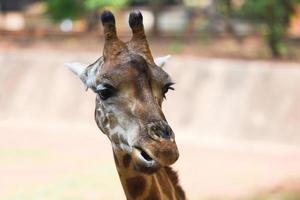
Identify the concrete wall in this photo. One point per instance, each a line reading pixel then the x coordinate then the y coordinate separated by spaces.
pixel 214 98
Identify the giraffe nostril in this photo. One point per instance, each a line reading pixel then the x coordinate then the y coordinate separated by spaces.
pixel 160 131
pixel 166 134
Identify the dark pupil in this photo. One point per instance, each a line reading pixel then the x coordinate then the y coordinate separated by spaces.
pixel 105 94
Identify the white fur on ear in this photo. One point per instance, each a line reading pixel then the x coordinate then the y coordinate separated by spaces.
pixel 87 73
pixel 161 61
pixel 79 70
pixel 76 68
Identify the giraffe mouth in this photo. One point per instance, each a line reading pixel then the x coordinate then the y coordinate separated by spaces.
pixel 144 155
pixel 144 162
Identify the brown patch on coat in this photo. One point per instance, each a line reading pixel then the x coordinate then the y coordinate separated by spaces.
pixel 115 139
pixel 136 186
pixel 126 160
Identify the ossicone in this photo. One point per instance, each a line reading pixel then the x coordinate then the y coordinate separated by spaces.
pixel 109 26
pixel 136 19
pixel 107 17
pixel 138 43
pixel 112 45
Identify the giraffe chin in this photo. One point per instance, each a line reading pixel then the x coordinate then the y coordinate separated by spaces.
pixel 143 162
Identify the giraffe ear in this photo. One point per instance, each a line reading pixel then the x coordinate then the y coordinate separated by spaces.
pixel 161 61
pixel 87 73
pixel 77 68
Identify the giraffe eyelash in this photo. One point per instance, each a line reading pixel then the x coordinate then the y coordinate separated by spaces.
pixel 166 88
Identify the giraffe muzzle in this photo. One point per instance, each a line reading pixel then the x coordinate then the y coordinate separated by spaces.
pixel 157 148
pixel 143 162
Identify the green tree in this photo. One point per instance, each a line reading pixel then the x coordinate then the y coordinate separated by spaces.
pixel 93 6
pixel 73 9
pixel 96 4
pixel 275 15
pixel 63 9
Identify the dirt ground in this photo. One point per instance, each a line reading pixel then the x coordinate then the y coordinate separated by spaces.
pixel 50 147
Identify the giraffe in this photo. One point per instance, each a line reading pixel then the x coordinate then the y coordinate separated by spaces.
pixel 130 87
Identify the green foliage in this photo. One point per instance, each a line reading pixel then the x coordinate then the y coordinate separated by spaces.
pixel 95 4
pixel 270 11
pixel 275 15
pixel 62 9
pixel 72 9
pixel 225 7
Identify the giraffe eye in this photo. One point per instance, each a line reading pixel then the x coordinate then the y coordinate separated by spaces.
pixel 105 93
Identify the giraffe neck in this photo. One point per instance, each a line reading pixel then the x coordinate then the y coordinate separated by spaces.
pixel 162 184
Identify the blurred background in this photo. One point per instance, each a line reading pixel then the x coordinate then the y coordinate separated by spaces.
pixel 235 111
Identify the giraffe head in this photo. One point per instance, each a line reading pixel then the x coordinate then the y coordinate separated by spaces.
pixel 130 87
